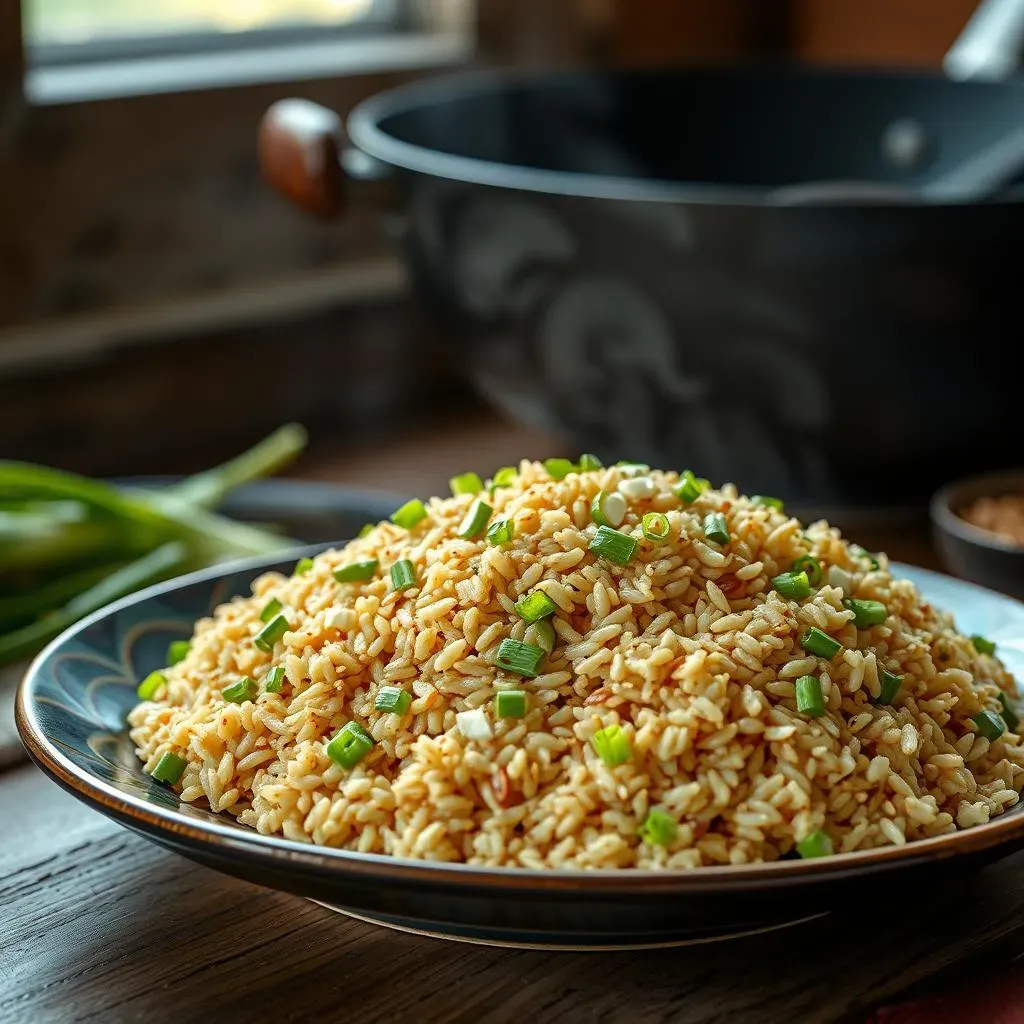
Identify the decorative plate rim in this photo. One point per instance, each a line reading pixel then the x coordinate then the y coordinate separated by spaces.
pixel 249 845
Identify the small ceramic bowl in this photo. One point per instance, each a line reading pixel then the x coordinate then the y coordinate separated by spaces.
pixel 969 551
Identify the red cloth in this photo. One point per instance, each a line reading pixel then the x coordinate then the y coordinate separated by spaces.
pixel 988 1000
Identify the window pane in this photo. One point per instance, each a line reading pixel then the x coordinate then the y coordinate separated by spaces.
pixel 83 21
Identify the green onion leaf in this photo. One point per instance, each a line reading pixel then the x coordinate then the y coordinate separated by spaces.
pixel 1010 716
pixel 466 483
pixel 411 513
pixel 819 643
pixel 177 651
pixel 271 633
pixel 888 686
pixel 270 609
pixel 522 659
pixel 510 704
pixel 559 469
pixel 500 532
pixel 476 519
pixel 349 745
pixel 302 566
pixel 792 585
pixel 589 462
pixel 809 698
pixel 403 575
pixel 150 686
pixel 356 572
pixel 866 613
pixel 859 552
pixel 237 693
pixel 983 646
pixel 989 724
pixel 659 829
pixel 767 501
pixel 655 527
pixel 690 487
pixel 613 546
pixel 817 844
pixel 536 605
pixel 393 699
pixel 275 679
pixel 169 768
pixel 504 477
pixel 715 528
pixel 811 566
pixel 543 633
pixel 365 531
pixel 611 745
pixel 608 509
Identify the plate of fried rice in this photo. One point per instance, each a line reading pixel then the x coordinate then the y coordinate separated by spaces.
pixel 566 705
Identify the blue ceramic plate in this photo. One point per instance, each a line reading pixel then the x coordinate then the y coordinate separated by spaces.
pixel 71 712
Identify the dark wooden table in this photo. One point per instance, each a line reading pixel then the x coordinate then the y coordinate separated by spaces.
pixel 97 924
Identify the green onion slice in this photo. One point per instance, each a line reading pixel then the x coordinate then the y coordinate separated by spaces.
pixel 983 646
pixel 271 633
pixel 501 532
pixel 767 501
pixel 275 679
pixel 888 686
pixel 411 513
pixel 522 659
pixel 659 829
pixel 613 546
pixel 715 528
pixel 476 519
pixel 302 566
pixel 510 704
pixel 544 633
pixel 989 724
pixel 866 613
pixel 691 487
pixel 792 585
pixel 169 768
pixel 393 699
pixel 819 643
pixel 1010 716
pixel 536 605
pixel 655 527
pixel 811 566
pixel 237 693
pixel 817 844
pixel 349 745
pixel 356 572
pixel 270 609
pixel 809 698
pixel 611 745
pixel 466 483
pixel 365 531
pixel 559 469
pixel 589 462
pixel 608 509
pixel 150 686
pixel 177 651
pixel 403 575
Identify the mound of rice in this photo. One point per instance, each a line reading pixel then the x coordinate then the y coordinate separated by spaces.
pixel 687 648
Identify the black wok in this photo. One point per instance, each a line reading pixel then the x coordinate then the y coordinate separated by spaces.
pixel 754 272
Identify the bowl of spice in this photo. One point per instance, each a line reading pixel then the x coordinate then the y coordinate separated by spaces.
pixel 978 525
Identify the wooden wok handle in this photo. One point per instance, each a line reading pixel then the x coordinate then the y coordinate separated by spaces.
pixel 299 147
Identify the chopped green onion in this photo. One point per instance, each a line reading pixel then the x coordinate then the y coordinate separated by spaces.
pixel 767 501
pixel 356 572
pixel 403 575
pixel 504 477
pixel 809 698
pixel 302 566
pixel 659 829
pixel 1010 716
pixel 989 724
pixel 888 686
pixel 510 704
pixel 866 613
pixel 169 768
pixel 559 469
pixel 411 513
pixel 792 585
pixel 817 844
pixel 237 693
pixel 819 643
pixel 860 552
pixel 608 509
pixel 655 527
pixel 349 745
pixel 543 633
pixel 613 546
pixel 983 646
pixel 149 686
pixel 271 633
pixel 536 605
pixel 715 528
pixel 466 483
pixel 500 532
pixel 690 487
pixel 476 519
pixel 365 531
pixel 270 609
pixel 177 650
pixel 611 745
pixel 393 699
pixel 522 659
pixel 811 566
pixel 590 462
pixel 275 679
